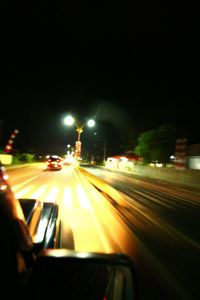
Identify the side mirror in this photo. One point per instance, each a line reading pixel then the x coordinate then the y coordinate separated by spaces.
pixel 65 274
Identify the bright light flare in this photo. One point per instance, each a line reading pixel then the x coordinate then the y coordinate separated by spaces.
pixel 5 177
pixel 91 123
pixel 69 120
pixel 3 187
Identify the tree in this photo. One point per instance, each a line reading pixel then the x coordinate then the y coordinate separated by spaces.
pixel 158 144
pixel 23 158
pixel 144 146
pixel 27 157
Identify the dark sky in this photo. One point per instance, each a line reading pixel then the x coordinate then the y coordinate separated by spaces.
pixel 132 66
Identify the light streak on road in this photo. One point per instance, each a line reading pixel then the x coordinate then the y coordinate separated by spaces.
pixel 148 221
pixel 21 193
pixel 52 195
pixel 83 199
pixel 67 198
pixel 38 193
pixel 19 186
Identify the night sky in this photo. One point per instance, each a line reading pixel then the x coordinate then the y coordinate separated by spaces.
pixel 131 66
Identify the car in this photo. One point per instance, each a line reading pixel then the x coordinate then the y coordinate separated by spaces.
pixel 32 267
pixel 54 162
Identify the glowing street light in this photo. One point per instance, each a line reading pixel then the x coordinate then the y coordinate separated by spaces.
pixel 91 123
pixel 69 120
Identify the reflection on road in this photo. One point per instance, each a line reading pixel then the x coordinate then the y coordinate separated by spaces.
pixel 156 224
pixel 165 222
pixel 85 213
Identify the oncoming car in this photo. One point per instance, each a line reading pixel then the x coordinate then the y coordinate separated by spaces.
pixel 54 162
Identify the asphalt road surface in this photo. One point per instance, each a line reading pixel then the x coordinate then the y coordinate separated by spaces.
pixel 155 223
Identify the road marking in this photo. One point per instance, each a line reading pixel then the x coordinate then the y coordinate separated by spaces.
pixel 84 201
pixel 23 192
pixel 39 192
pixel 52 195
pixel 67 198
pixel 82 197
pixel 18 186
pixel 162 225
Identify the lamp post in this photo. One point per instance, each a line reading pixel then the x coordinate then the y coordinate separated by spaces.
pixel 69 120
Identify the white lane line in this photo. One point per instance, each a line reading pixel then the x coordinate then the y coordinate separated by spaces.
pixel 85 203
pixel 18 186
pixel 83 199
pixel 39 192
pixel 23 192
pixel 67 198
pixel 52 195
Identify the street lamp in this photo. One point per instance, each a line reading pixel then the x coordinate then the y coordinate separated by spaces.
pixel 69 121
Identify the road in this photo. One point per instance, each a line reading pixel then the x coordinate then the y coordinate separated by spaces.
pixel 156 224
pixel 164 220
pixel 85 213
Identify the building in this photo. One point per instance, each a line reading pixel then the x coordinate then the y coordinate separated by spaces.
pixel 122 162
pixel 193 157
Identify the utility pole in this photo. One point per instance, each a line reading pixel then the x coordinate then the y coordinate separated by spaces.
pixel 104 152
